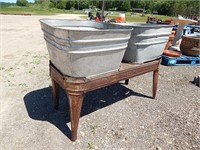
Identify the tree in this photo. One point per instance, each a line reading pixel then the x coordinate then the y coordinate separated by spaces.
pixel 44 4
pixel 125 6
pixel 82 4
pixel 22 2
pixel 38 1
pixel 164 8
pixel 70 4
pixel 61 4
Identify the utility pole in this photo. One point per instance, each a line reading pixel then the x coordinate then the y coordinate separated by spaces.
pixel 78 4
pixel 103 7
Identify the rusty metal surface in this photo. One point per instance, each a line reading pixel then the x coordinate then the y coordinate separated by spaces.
pixel 126 71
pixel 190 45
pixel 76 88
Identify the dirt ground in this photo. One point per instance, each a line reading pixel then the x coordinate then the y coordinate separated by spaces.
pixel 117 117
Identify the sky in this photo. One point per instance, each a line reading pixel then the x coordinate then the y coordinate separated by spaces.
pixel 14 1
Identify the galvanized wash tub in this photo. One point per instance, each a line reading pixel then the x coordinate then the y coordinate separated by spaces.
pixel 85 48
pixel 147 42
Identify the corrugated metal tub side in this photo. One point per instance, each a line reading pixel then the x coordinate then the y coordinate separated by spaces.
pixel 147 42
pixel 85 48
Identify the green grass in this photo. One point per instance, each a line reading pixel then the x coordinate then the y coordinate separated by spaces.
pixel 131 18
pixel 33 10
pixel 138 17
pixel 39 10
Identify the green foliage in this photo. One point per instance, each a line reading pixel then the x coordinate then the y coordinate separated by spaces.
pixel 22 2
pixel 125 6
pixel 164 8
pixel 61 4
pixel 44 4
pixel 51 5
pixel 90 146
pixel 70 4
pixel 4 4
pixel 39 1
pixel 186 8
pixel 82 4
pixel 172 8
pixel 33 9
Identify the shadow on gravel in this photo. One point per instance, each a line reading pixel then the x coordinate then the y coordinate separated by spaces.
pixel 39 104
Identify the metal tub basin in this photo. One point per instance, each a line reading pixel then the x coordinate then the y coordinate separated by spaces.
pixel 85 48
pixel 147 42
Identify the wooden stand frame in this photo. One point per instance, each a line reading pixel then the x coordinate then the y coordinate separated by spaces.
pixel 77 87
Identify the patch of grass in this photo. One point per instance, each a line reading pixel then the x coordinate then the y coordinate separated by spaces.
pixel 90 146
pixel 31 70
pixel 132 18
pixel 36 59
pixel 138 17
pixel 93 128
pixel 39 10
pixel 2 68
pixel 9 69
pixel 10 83
pixel 25 11
pixel 15 10
pixel 35 10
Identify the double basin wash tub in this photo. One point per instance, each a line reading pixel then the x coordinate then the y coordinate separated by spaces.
pixel 147 42
pixel 85 48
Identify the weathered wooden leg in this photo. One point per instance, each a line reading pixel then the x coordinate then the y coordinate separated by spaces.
pixel 55 90
pixel 127 81
pixel 75 101
pixel 155 82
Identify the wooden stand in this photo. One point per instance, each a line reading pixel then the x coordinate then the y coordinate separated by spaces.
pixel 77 87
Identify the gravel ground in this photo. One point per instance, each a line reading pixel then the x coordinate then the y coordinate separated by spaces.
pixel 117 117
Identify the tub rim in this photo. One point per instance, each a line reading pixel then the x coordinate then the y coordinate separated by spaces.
pixel 143 25
pixel 127 28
